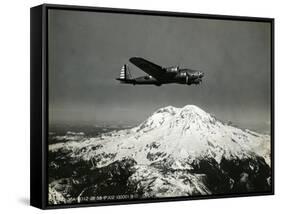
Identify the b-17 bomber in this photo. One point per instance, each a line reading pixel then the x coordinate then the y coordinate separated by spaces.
pixel 157 75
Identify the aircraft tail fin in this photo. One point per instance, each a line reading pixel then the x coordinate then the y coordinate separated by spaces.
pixel 125 73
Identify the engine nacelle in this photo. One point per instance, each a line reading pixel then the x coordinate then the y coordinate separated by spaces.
pixel 197 80
pixel 187 80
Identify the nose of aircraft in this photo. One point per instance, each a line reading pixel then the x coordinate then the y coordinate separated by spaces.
pixel 201 74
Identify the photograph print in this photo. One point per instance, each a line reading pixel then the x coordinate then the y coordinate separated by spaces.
pixel 145 107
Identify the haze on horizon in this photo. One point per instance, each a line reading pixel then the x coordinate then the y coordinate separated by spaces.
pixel 87 50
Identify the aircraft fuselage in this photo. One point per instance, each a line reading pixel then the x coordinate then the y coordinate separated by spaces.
pixel 184 76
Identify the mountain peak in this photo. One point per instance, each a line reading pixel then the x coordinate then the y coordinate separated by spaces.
pixel 194 112
pixel 173 110
pixel 191 108
pixel 177 117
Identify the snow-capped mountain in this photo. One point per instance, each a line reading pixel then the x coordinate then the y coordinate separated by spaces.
pixel 175 152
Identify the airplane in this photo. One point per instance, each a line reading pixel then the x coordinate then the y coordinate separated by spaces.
pixel 158 75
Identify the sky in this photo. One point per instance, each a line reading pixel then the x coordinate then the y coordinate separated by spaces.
pixel 88 49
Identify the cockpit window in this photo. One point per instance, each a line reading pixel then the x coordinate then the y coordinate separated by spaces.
pixel 146 78
pixel 175 69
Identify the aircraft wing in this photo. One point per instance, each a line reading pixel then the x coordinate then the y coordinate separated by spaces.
pixel 150 68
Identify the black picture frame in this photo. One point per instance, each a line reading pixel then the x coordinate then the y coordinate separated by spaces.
pixel 39 102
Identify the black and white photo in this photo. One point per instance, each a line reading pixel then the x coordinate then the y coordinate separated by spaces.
pixel 156 106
